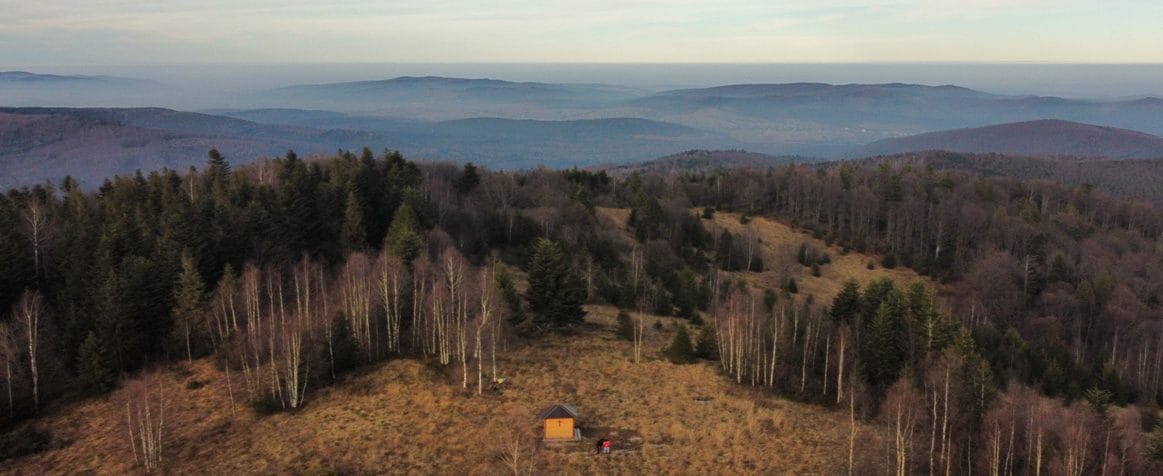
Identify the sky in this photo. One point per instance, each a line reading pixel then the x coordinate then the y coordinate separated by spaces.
pixel 103 32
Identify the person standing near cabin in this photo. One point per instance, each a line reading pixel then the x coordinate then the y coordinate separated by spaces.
pixel 598 446
pixel 606 446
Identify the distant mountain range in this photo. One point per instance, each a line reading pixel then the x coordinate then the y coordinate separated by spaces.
pixel 21 88
pixel 810 119
pixel 504 124
pixel 1040 138
pixel 92 144
pixel 39 144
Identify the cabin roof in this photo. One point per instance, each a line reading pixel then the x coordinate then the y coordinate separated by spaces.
pixel 559 410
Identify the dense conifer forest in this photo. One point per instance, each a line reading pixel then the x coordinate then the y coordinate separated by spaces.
pixel 292 272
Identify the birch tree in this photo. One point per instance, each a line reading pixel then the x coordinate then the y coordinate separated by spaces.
pixel 29 312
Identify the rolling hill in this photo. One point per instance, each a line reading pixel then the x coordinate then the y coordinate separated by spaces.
pixel 21 88
pixel 812 119
pixel 441 98
pixel 700 160
pixel 1039 138
pixel 39 144
pixel 409 416
pixel 1137 179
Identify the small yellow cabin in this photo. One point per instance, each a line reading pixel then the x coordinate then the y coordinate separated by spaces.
pixel 558 421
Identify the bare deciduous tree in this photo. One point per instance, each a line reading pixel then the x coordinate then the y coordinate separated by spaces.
pixel 29 314
pixel 145 418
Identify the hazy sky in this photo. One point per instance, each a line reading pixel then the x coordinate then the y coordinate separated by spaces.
pixel 64 32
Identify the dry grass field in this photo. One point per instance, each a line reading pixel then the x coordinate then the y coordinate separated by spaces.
pixel 405 417
pixel 780 243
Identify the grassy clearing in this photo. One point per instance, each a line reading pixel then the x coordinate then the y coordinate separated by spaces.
pixel 780 243
pixel 406 417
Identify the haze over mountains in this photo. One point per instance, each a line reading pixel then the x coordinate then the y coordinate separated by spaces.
pixel 506 124
pixel 1041 137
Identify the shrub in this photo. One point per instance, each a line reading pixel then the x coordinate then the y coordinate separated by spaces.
pixel 24 442
pixel 680 350
pixel 625 329
pixel 708 345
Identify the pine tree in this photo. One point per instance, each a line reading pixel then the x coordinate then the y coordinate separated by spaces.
pixel 680 350
pixel 556 293
pixel 353 235
pixel 94 366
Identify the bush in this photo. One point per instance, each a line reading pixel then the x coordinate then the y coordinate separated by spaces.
pixel 266 404
pixel 889 261
pixel 708 346
pixel 708 213
pixel 816 269
pixel 24 442
pixel 680 350
pixel 625 329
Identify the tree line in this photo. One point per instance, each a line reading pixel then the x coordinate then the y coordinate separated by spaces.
pixel 290 272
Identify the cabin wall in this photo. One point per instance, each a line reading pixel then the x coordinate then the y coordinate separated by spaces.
pixel 559 428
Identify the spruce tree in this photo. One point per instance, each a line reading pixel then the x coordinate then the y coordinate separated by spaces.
pixel 680 350
pixel 846 307
pixel 556 293
pixel 94 366
pixel 404 236
pixel 353 235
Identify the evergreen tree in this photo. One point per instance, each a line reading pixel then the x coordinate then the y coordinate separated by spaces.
pixel 555 292
pixel 353 235
pixel 94 366
pixel 468 180
pixel 511 296
pixel 846 307
pixel 218 170
pixel 404 236
pixel 884 355
pixel 188 293
pixel 680 350
pixel 344 351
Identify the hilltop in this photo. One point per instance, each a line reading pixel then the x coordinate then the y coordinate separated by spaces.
pixel 1037 138
pixel 412 416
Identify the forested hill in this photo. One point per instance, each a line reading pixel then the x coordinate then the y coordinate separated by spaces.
pixel 1031 138
pixel 1134 179
pixel 290 272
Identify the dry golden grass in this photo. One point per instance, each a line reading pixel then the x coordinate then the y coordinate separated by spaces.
pixel 780 245
pixel 405 417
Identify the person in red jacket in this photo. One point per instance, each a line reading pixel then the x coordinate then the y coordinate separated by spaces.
pixel 606 446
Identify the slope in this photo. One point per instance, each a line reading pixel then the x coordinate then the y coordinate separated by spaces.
pixel 1040 138
pixel 38 144
pixel 406 417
